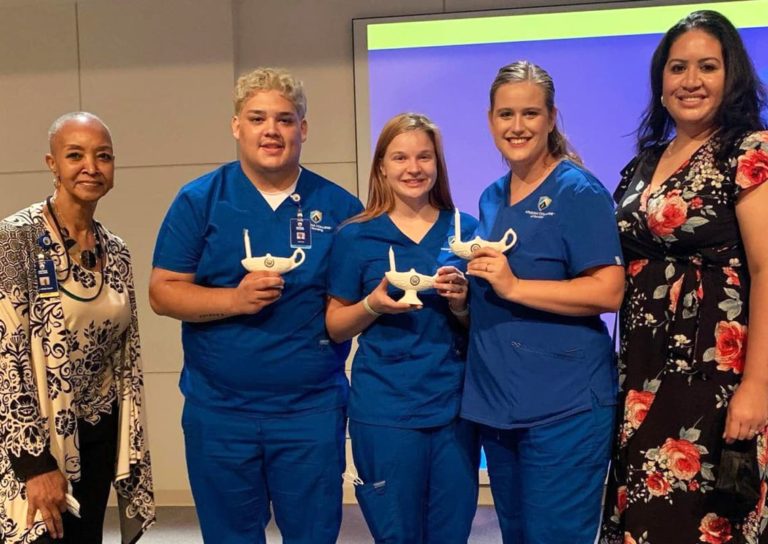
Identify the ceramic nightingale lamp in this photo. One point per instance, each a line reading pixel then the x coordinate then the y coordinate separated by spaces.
pixel 411 282
pixel 268 262
pixel 466 250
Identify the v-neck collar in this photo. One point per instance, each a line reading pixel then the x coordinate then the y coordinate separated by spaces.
pixel 303 189
pixel 545 182
pixel 443 216
pixel 650 168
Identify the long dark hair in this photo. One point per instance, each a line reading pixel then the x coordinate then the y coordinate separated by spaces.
pixel 743 96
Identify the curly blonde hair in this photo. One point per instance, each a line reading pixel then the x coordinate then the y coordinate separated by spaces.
pixel 270 79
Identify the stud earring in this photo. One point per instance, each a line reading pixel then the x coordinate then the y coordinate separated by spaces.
pixel 663 105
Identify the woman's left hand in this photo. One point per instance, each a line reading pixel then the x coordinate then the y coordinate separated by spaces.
pixel 451 284
pixel 492 266
pixel 747 412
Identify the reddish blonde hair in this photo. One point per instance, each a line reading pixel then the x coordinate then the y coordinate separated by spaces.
pixel 381 199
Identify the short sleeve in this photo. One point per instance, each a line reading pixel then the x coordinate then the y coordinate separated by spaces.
pixel 180 241
pixel 354 206
pixel 590 233
pixel 344 268
pixel 627 174
pixel 751 162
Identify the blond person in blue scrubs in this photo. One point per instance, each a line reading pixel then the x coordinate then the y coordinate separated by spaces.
pixel 541 379
pixel 264 388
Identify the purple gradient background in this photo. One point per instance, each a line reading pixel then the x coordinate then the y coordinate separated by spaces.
pixel 601 86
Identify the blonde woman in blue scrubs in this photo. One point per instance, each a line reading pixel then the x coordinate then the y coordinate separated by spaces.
pixel 541 380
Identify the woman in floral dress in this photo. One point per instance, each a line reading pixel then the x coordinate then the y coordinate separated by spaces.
pixel 693 223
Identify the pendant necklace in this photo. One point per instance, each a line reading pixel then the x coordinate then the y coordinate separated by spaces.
pixel 88 257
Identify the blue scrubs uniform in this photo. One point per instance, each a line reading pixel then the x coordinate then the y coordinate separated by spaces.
pixel 418 461
pixel 265 394
pixel 543 385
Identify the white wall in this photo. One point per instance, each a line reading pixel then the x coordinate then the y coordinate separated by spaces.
pixel 160 73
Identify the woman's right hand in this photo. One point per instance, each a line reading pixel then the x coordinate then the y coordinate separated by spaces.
pixel 381 303
pixel 346 318
pixel 47 493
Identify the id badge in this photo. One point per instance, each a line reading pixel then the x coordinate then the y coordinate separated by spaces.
pixel 47 283
pixel 301 234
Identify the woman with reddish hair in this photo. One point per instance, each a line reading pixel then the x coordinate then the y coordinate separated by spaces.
pixel 417 462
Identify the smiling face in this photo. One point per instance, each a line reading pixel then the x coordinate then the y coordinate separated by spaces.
pixel 82 160
pixel 693 81
pixel 270 133
pixel 409 167
pixel 520 124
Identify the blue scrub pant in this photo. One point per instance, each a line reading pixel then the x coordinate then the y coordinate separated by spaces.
pixel 547 481
pixel 239 463
pixel 420 485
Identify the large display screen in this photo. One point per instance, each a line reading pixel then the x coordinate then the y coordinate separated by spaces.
pixel 599 59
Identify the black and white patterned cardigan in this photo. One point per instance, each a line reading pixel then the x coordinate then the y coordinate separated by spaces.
pixel 35 399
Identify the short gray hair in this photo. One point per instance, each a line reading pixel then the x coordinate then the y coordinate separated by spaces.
pixel 73 115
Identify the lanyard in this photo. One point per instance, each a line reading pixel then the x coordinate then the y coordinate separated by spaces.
pixel 300 232
pixel 296 199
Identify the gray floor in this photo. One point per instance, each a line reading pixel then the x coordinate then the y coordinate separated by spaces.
pixel 178 525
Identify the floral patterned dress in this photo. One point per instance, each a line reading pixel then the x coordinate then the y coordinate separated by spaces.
pixel 683 345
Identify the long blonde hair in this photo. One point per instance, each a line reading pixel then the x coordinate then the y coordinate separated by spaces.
pixel 381 199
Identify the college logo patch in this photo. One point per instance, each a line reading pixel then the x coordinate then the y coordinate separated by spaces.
pixel 544 202
pixel 316 216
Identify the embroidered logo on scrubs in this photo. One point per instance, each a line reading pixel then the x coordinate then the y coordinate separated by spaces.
pixel 541 210
pixel 315 222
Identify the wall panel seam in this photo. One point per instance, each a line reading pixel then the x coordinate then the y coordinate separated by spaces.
pixel 329 162
pixel 79 64
pixel 133 167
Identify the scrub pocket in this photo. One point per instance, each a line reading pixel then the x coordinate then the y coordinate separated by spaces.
pixel 378 502
pixel 546 381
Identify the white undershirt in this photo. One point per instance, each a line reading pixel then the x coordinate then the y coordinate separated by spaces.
pixel 274 199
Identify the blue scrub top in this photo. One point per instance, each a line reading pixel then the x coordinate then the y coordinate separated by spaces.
pixel 279 360
pixel 528 367
pixel 408 369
